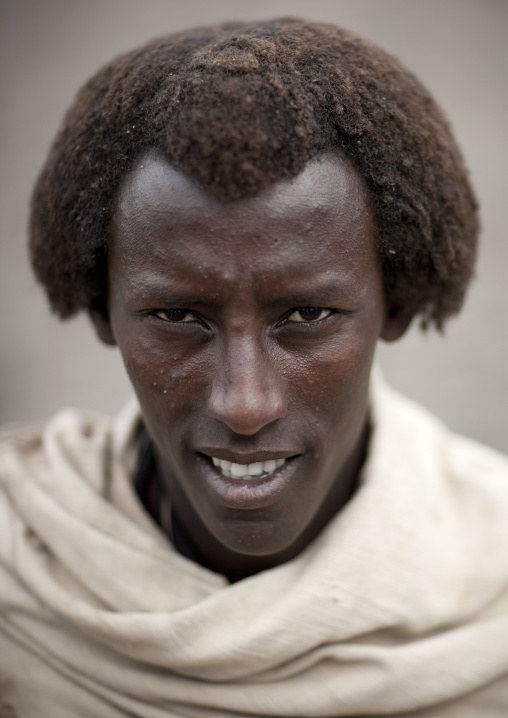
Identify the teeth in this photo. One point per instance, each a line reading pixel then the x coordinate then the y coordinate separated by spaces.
pixel 238 470
pixel 247 471
pixel 255 469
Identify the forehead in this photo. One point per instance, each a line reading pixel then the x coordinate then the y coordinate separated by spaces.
pixel 160 213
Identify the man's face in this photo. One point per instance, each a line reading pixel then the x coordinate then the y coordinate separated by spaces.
pixel 248 330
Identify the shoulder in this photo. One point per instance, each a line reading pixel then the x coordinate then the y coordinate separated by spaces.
pixel 38 459
pixel 62 461
pixel 412 430
pixel 443 467
pixel 71 436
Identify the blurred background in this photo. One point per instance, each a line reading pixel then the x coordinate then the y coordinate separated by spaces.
pixel 458 48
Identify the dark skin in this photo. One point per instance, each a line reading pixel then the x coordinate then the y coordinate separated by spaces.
pixel 248 330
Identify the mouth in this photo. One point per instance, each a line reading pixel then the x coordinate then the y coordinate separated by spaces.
pixel 247 472
pixel 248 486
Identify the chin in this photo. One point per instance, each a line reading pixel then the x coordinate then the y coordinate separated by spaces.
pixel 260 538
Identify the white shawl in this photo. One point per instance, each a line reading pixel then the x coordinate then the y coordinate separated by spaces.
pixel 399 607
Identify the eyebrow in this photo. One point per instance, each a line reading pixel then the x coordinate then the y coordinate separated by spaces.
pixel 159 295
pixel 327 291
pixel 308 297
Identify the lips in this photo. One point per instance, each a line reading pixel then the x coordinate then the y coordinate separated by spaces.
pixel 252 485
pixel 247 471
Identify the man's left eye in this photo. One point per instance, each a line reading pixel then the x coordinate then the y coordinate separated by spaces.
pixel 175 315
pixel 309 314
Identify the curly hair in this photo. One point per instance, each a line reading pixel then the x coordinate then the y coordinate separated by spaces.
pixel 239 106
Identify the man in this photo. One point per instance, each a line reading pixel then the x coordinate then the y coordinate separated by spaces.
pixel 245 211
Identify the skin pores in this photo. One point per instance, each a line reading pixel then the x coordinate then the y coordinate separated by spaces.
pixel 248 331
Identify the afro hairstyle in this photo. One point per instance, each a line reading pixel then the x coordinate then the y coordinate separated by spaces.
pixel 237 107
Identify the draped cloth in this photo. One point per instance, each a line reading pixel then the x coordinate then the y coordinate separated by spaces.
pixel 398 607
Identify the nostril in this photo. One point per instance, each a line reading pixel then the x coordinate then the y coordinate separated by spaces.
pixel 246 411
pixel 245 422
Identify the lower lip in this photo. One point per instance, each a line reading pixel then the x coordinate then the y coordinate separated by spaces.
pixel 248 493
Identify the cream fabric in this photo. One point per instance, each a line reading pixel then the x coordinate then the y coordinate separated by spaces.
pixel 400 607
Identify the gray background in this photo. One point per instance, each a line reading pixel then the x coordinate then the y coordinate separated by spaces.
pixel 459 48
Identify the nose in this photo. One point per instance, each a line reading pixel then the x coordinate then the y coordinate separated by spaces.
pixel 247 394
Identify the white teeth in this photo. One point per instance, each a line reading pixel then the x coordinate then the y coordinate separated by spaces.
pixel 255 469
pixel 223 465
pixel 238 470
pixel 247 471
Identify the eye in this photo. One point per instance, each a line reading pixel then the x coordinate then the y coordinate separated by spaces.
pixel 175 315
pixel 309 314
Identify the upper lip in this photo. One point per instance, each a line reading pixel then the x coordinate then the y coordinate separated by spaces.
pixel 245 458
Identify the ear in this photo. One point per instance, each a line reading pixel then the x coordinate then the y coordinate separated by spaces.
pixel 396 323
pixel 99 314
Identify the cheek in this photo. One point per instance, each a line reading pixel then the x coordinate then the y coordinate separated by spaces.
pixel 167 380
pixel 335 375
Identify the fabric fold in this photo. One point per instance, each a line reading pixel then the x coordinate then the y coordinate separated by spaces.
pixel 399 605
